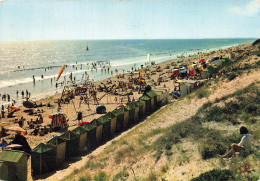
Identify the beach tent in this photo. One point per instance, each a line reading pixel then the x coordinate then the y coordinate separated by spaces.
pixel 60 147
pixel 185 89
pixel 72 144
pixel 99 127
pixel 131 107
pixel 142 107
pixel 13 165
pixel 126 116
pixel 224 61
pixel 147 100
pixel 153 97
pixel 58 121
pixel 136 111
pixel 43 159
pixel 205 74
pixel 217 62
pixel 119 113
pixel 112 117
pixel 82 133
pixel 106 122
pixel 212 69
pixel 193 83
pixel 91 136
pixel 162 96
pixel 4 171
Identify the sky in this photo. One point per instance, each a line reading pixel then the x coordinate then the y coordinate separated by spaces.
pixel 128 19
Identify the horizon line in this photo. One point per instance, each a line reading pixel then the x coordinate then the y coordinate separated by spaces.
pixel 132 39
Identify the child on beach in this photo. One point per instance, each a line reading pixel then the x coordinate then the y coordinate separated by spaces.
pixel 245 143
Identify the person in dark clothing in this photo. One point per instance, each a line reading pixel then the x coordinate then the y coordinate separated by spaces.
pixel 35 131
pixel 22 94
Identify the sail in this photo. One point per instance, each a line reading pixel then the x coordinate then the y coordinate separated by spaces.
pixel 61 70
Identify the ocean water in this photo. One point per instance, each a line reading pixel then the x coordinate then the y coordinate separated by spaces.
pixel 21 60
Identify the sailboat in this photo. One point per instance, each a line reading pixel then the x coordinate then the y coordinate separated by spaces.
pixel 87 47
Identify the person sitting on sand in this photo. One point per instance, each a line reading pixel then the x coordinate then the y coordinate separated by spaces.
pixel 46 130
pixel 245 143
pixel 35 131
pixel 41 132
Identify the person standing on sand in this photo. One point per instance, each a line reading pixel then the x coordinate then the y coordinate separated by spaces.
pixel 22 94
pixel 245 143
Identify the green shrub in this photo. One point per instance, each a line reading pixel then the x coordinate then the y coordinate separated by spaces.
pixel 82 179
pixel 75 171
pixel 252 108
pixel 100 176
pixel 202 93
pixel 216 114
pixel 122 175
pixel 215 175
pixel 85 178
pixel 210 150
pixel 164 168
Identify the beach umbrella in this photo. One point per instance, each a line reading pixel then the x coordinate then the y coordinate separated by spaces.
pixel 61 70
pixel 202 60
pixel 176 93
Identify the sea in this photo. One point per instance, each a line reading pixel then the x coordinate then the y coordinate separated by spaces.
pixel 21 60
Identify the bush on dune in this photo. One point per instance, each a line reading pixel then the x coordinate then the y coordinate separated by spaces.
pixel 215 175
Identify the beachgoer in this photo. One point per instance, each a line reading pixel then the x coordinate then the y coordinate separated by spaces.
pixel 33 79
pixel 41 132
pixel 22 94
pixel 46 130
pixel 3 113
pixel 35 131
pixel 245 143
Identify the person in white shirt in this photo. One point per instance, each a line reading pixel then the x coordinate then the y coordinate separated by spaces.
pixel 245 143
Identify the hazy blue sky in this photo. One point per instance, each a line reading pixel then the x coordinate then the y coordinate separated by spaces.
pixel 128 19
